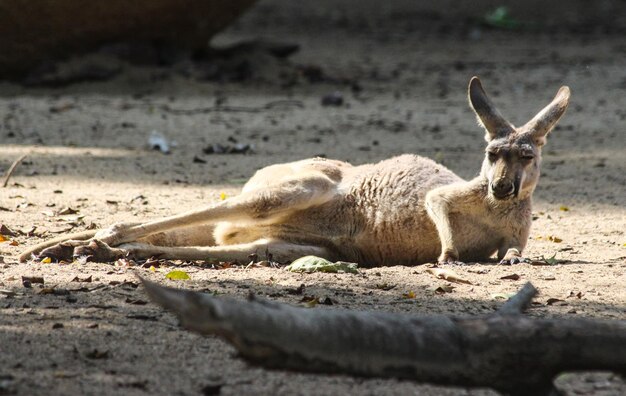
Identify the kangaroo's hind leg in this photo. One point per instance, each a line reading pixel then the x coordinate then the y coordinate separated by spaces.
pixel 258 206
pixel 201 235
pixel 279 250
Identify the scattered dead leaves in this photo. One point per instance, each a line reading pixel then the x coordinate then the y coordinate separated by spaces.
pixel 578 295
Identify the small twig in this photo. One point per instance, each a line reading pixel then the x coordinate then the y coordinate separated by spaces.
pixel 235 109
pixel 519 302
pixel 11 169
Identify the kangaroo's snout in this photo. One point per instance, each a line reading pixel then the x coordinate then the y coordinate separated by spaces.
pixel 502 188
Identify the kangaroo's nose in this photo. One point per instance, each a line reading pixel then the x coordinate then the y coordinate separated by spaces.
pixel 502 188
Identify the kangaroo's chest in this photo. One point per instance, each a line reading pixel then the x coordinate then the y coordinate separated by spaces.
pixel 479 235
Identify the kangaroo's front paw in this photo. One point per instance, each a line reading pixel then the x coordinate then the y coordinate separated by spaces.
pixel 513 256
pixel 449 256
pixel 98 251
pixel 514 260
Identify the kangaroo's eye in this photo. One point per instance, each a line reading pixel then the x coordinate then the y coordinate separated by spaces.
pixel 492 156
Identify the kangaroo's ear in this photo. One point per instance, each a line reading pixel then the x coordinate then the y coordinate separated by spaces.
pixel 547 118
pixel 488 115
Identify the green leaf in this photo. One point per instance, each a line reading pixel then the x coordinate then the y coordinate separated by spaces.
pixel 500 18
pixel 177 275
pixel 318 264
pixel 550 260
pixel 502 296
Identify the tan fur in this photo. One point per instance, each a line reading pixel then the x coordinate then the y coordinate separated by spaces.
pixel 405 210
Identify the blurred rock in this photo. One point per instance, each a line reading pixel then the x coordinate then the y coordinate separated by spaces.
pixel 35 32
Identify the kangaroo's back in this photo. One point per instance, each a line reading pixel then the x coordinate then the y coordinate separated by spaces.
pixel 378 215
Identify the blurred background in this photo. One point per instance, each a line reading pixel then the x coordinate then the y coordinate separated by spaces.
pixel 122 111
pixel 278 80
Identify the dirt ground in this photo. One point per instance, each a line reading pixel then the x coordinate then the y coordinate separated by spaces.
pixel 402 73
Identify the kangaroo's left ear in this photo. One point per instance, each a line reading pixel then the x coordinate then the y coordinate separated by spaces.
pixel 547 118
pixel 495 125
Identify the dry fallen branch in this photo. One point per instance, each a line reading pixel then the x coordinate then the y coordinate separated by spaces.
pixel 447 274
pixel 11 169
pixel 506 351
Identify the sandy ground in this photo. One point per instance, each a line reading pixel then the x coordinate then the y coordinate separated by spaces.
pixel 402 73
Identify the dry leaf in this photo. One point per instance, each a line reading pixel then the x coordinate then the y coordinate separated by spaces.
pixel 222 196
pixel 8 293
pixel 447 274
pixel 33 279
pixel 502 296
pixel 96 354
pixel 444 289
pixel 554 239
pixel 577 295
pixel 123 262
pixel 4 230
pixel 552 301
pixel 409 294
pixel 511 277
pixel 78 279
pixel 135 301
pixel 67 211
pixel 3 238
pixel 564 208
pixel 310 301
pixel 53 290
pixel 46 260
pixel 385 286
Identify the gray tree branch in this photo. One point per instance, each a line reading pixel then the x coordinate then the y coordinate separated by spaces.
pixel 505 351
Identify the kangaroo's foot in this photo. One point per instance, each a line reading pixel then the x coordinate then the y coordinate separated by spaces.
pixel 93 249
pixel 99 251
pixel 61 251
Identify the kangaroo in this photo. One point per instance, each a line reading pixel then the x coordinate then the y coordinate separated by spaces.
pixel 406 210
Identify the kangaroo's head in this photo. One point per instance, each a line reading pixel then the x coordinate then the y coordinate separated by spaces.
pixel 513 155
